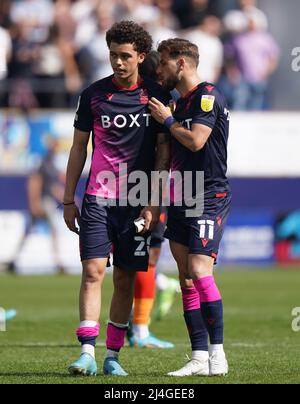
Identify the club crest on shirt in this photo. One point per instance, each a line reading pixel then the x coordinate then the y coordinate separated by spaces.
pixel 144 97
pixel 109 97
pixel 207 103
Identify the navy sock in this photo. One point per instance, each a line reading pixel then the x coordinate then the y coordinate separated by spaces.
pixel 212 313
pixel 197 330
pixel 87 340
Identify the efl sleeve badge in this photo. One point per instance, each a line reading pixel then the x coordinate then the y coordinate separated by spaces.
pixel 172 106
pixel 207 103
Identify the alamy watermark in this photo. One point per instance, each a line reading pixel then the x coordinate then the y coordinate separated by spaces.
pixel 296 321
pixel 136 188
pixel 296 60
pixel 2 320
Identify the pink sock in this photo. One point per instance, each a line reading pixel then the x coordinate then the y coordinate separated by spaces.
pixel 88 331
pixel 190 298
pixel 115 337
pixel 207 289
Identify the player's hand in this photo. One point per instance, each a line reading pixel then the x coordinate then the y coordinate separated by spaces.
pixel 151 215
pixel 159 111
pixel 71 215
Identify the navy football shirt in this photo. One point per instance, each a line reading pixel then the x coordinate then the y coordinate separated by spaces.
pixel 204 105
pixel 123 131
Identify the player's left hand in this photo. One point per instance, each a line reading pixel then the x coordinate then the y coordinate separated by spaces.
pixel 151 215
pixel 159 111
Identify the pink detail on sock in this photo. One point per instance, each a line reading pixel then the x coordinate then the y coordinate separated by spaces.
pixel 208 290
pixel 115 337
pixel 88 331
pixel 190 298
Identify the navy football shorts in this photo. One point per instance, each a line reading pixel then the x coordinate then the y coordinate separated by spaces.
pixel 159 230
pixel 111 229
pixel 203 234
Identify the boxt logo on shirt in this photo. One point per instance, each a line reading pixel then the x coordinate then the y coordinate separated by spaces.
pixel 125 121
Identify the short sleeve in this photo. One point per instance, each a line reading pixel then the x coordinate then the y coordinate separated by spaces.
pixel 206 107
pixel 84 117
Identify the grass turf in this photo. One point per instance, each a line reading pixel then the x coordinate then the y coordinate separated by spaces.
pixel 260 344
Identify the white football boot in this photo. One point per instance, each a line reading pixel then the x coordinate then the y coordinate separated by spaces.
pixel 193 368
pixel 218 365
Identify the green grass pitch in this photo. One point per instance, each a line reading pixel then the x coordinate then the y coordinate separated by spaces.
pixel 260 343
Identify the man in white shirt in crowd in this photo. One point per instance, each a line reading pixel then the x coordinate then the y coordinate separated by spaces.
pixel 5 52
pixel 5 55
pixel 207 37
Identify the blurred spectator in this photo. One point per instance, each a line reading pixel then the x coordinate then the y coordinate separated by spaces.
pixel 24 55
pixel 5 56
pixel 37 15
pixel 247 4
pixel 165 25
pixel 5 51
pixel 5 20
pixel 125 9
pixel 157 25
pixel 143 12
pixel 166 13
pixel 45 189
pixel 58 47
pixel 192 12
pixel 207 37
pixel 96 51
pixel 252 56
pixel 84 14
pixel 235 22
pixel 160 31
pixel 64 20
pixel 49 72
pixel 66 26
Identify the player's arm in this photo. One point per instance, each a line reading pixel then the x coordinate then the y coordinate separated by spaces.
pixel 77 159
pixel 193 139
pixel 163 153
pixel 162 165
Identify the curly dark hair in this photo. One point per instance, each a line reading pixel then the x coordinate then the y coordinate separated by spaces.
pixel 129 32
pixel 149 67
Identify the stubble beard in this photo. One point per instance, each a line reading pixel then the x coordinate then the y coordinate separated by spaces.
pixel 170 83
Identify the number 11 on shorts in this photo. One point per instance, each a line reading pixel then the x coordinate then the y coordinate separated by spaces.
pixel 206 226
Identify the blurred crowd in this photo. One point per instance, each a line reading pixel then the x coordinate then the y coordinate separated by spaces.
pixel 51 49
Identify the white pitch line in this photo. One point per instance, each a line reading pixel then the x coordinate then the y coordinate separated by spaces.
pixel 177 345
